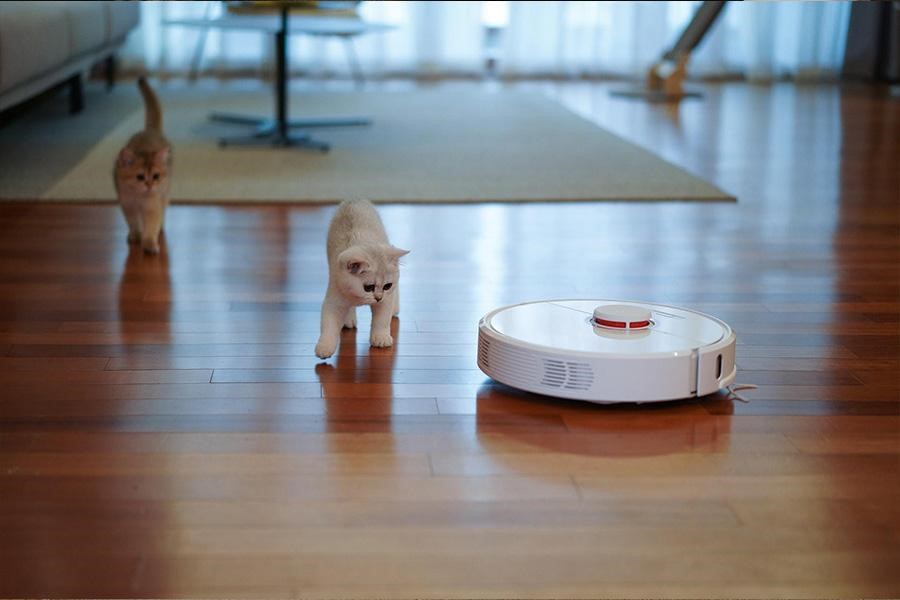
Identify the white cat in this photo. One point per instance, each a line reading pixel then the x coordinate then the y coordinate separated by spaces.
pixel 363 268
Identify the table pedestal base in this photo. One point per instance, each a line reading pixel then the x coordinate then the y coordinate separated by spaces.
pixel 272 132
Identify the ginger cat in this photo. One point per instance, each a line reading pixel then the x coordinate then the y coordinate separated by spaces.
pixel 142 176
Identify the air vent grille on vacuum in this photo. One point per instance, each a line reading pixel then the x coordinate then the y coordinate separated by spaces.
pixel 554 373
pixel 570 375
pixel 506 363
pixel 484 348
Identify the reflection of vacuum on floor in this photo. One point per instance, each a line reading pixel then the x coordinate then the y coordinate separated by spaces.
pixel 603 351
pixel 665 78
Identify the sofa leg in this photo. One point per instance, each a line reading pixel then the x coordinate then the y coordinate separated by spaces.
pixel 76 95
pixel 110 66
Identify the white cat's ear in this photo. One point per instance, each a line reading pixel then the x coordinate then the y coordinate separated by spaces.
pixel 395 253
pixel 353 261
pixel 356 267
pixel 126 157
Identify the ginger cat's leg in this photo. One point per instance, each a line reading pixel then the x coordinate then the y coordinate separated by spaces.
pixel 165 206
pixel 133 218
pixel 152 213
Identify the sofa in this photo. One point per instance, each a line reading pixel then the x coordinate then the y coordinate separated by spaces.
pixel 45 44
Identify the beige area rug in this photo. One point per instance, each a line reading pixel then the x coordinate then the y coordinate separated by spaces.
pixel 423 146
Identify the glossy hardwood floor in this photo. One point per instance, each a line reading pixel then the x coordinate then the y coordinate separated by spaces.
pixel 166 431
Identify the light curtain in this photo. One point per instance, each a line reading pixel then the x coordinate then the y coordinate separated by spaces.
pixel 757 40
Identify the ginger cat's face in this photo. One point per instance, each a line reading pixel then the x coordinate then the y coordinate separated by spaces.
pixel 142 174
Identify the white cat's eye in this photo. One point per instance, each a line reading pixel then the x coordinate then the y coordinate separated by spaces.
pixel 387 286
pixel 370 287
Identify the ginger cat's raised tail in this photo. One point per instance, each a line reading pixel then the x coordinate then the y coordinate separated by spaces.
pixel 152 110
pixel 142 175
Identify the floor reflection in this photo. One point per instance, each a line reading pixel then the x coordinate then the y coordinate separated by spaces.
pixel 572 427
pixel 357 389
pixel 142 274
pixel 104 488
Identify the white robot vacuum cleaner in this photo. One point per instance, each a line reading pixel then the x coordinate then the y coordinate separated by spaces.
pixel 606 351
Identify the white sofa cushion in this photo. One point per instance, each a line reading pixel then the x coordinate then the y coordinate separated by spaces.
pixel 122 17
pixel 38 37
pixel 34 38
pixel 88 25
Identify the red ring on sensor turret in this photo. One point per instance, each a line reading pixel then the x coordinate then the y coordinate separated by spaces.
pixel 622 324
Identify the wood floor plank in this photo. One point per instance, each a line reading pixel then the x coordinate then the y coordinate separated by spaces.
pixel 840 307
pixel 887 394
pixel 829 365
pixel 228 350
pixel 468 440
pixel 493 542
pixel 360 376
pixel 788 407
pixel 833 424
pixel 360 362
pixel 796 487
pixel 147 464
pixel 98 408
pixel 102 377
pixel 879 377
pixel 257 486
pixel 429 574
pixel 401 514
pixel 847 443
pixel 307 335
pixel 787 461
pixel 784 375
pixel 87 363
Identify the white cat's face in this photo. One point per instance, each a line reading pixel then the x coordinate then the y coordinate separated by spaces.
pixel 368 275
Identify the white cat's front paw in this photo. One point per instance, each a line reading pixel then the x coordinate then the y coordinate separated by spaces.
pixel 381 339
pixel 325 347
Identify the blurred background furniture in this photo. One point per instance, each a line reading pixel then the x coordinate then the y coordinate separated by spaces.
pixel 759 41
pixel 665 78
pixel 282 19
pixel 45 44
pixel 873 42
pixel 338 20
